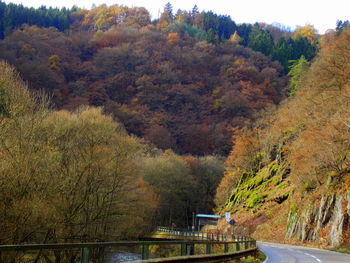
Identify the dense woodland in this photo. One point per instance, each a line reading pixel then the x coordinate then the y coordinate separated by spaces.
pixel 78 176
pixel 121 121
pixel 289 159
pixel 188 77
pixel 315 114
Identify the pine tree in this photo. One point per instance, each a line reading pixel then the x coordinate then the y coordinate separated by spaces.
pixel 169 10
pixel 195 11
pixel 297 69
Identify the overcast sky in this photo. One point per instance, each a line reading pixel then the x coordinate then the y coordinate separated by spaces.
pixel 323 14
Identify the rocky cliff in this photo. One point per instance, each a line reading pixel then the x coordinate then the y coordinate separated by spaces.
pixel 289 173
pixel 268 206
pixel 325 220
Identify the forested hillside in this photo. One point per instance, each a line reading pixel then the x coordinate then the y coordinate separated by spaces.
pixel 287 176
pixel 13 16
pixel 122 120
pixel 182 81
pixel 78 176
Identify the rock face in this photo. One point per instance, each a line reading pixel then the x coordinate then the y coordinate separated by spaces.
pixel 265 199
pixel 328 220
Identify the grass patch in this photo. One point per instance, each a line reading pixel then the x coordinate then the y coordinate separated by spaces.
pixel 343 250
pixel 260 258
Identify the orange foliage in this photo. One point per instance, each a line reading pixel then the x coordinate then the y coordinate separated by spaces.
pixel 173 38
pixel 245 147
pixel 196 90
pixel 224 189
pixel 192 162
pixel 309 131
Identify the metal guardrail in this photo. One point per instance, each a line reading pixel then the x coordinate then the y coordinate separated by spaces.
pixel 220 257
pixel 230 247
pixel 187 248
pixel 196 235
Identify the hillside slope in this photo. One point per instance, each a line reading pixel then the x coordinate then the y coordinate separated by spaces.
pixel 287 178
pixel 163 85
pixel 187 78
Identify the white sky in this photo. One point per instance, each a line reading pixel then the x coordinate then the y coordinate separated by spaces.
pixel 323 14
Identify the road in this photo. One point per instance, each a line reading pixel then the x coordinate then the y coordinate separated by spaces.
pixel 281 253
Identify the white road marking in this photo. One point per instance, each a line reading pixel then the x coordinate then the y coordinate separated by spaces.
pixel 316 258
pixel 292 250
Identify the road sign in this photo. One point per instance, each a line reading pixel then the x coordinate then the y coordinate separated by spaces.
pixel 228 216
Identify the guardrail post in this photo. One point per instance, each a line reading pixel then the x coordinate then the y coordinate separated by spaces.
pixel 208 248
pixel 84 255
pixel 183 249
pixel 191 249
pixel 226 248
pixel 145 251
pixel 237 246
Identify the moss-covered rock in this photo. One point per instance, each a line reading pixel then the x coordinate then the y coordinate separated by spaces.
pixel 267 184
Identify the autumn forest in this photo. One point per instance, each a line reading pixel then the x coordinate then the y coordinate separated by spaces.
pixel 111 120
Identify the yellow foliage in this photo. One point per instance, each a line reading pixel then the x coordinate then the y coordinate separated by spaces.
pixel 235 38
pixel 103 17
pixel 98 34
pixel 217 104
pixel 180 19
pixel 308 31
pixel 54 62
pixel 163 24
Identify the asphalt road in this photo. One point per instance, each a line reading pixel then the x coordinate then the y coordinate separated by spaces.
pixel 281 253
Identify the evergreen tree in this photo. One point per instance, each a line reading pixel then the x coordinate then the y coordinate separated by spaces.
pixel 195 10
pixel 302 47
pixel 211 22
pixel 211 36
pixel 261 40
pixel 169 10
pixel 341 25
pixel 2 13
pixel 297 69
pixel 226 27
pixel 243 31
pixel 13 16
pixel 283 51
